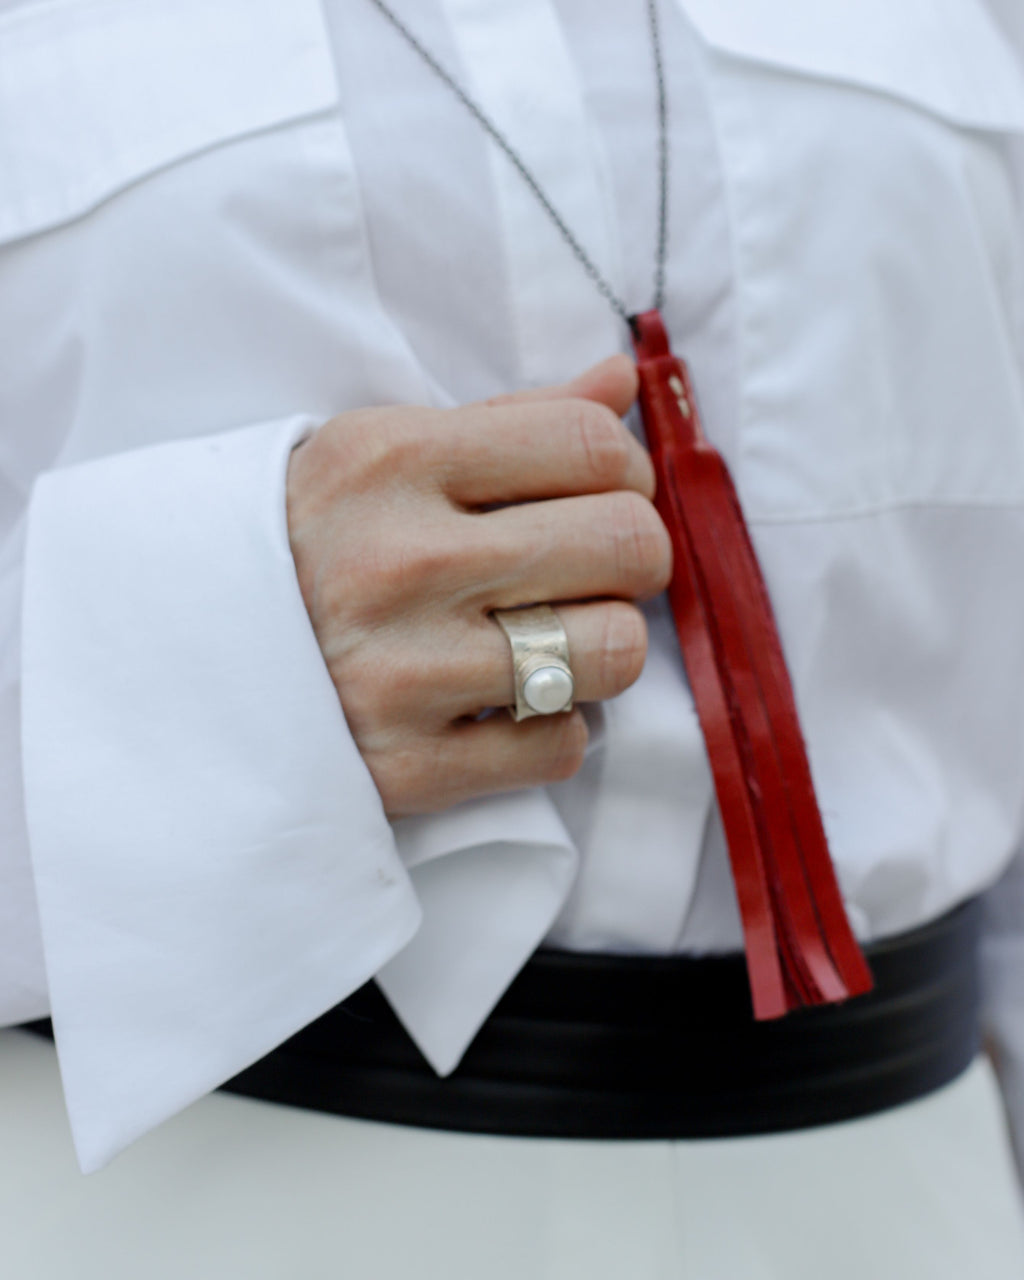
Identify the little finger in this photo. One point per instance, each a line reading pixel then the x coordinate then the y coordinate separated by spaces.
pixel 477 758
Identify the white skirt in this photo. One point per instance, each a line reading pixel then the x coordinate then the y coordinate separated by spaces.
pixel 241 1190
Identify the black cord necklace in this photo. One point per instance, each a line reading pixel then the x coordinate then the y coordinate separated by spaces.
pixel 800 948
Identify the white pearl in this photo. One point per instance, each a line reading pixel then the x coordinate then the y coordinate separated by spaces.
pixel 547 690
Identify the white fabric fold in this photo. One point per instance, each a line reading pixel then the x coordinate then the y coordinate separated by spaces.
pixel 945 55
pixel 490 876
pixel 213 865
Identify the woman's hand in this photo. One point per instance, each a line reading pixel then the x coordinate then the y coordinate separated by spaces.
pixel 402 552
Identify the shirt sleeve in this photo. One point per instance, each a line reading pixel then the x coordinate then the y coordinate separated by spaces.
pixel 212 864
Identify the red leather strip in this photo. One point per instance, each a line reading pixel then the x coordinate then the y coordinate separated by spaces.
pixel 794 922
pixel 702 477
pixel 769 992
pixel 694 628
pixel 809 904
pixel 770 672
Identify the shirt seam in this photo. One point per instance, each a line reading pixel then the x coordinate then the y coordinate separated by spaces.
pixel 870 510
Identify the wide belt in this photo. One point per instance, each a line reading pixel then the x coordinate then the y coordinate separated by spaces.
pixel 599 1046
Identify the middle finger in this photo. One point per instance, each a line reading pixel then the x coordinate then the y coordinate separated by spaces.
pixel 592 546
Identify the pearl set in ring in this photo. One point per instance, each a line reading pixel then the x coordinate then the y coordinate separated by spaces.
pixel 543 678
pixel 548 690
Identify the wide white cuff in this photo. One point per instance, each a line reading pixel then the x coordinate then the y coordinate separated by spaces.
pixel 491 876
pixel 213 865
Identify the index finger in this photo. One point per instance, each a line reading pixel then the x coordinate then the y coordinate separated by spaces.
pixel 526 450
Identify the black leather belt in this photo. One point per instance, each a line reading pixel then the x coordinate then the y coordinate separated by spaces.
pixel 598 1046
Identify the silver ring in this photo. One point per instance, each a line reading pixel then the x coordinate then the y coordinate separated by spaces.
pixel 540 660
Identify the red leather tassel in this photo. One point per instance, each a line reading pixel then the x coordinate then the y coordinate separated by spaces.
pixel 800 947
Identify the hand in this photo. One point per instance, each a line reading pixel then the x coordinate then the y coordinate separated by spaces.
pixel 402 553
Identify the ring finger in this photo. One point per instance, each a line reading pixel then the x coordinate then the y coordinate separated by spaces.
pixel 607 648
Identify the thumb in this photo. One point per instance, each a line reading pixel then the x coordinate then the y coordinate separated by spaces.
pixel 611 382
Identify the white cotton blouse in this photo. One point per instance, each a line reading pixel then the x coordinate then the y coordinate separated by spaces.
pixel 222 224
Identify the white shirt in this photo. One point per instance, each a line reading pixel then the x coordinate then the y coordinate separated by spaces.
pixel 220 225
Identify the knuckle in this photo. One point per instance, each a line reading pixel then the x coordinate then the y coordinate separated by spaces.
pixel 384 686
pixel 405 780
pixel 403 444
pixel 500 401
pixel 371 692
pixel 403 568
pixel 623 646
pixel 369 451
pixel 393 446
pixel 602 440
pixel 345 442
